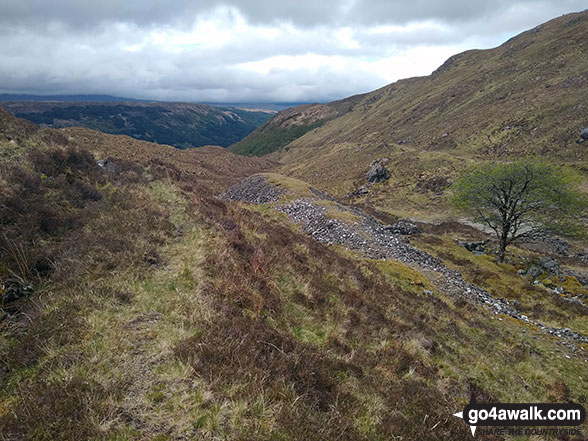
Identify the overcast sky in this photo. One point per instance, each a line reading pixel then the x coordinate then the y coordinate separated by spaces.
pixel 245 50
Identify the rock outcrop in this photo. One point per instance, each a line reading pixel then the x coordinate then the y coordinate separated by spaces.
pixel 583 135
pixel 378 171
pixel 12 290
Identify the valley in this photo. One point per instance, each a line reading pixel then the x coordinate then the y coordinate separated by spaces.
pixel 182 125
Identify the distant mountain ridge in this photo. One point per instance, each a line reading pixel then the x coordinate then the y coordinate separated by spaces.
pixel 182 125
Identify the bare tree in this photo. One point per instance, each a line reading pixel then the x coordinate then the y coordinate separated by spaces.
pixel 520 197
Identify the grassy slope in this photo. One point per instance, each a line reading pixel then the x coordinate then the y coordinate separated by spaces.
pixel 211 165
pixel 289 125
pixel 524 97
pixel 171 313
pixel 182 125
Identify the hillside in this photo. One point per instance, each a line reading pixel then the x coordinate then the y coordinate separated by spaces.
pixel 137 304
pixel 182 125
pixel 290 124
pixel 527 96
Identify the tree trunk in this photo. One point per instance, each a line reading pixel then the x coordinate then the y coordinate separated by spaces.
pixel 502 246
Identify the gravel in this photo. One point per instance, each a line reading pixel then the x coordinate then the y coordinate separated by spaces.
pixel 255 189
pixel 378 241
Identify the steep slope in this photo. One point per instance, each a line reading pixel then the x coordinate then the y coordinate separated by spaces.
pixel 182 125
pixel 527 96
pixel 290 124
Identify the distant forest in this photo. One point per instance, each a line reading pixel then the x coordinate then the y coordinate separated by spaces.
pixel 178 124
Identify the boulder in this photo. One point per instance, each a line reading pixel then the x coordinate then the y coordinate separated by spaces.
pixel 377 172
pixel 402 227
pixel 584 133
pixel 12 290
pixel 428 344
pixel 534 271
pixel 361 191
pixel 549 264
pixel 477 248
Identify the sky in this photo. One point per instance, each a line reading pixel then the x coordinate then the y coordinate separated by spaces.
pixel 246 50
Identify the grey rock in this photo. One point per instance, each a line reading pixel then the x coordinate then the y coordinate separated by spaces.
pixel 576 300
pixel 534 271
pixel 377 172
pixel 255 189
pixel 558 246
pixel 428 292
pixel 550 264
pixel 361 191
pixel 427 344
pixel 584 133
pixel 478 247
pixel 403 227
pixel 13 290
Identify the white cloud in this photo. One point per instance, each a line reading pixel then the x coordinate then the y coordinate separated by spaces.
pixel 244 50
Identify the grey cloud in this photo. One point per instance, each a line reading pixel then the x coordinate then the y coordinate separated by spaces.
pixel 67 46
pixel 95 65
pixel 83 14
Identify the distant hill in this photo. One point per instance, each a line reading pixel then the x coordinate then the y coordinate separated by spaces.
pixel 525 97
pixel 290 124
pixel 182 125
pixel 270 107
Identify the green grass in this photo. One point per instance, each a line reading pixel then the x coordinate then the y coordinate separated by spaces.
pixel 502 280
pixel 183 355
pixel 270 139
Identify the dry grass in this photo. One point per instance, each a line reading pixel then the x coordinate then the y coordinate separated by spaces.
pixel 502 281
pixel 169 313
